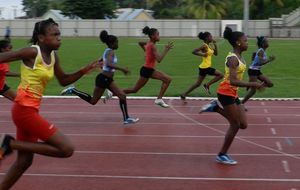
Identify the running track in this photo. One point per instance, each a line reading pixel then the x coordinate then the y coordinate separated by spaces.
pixel 168 149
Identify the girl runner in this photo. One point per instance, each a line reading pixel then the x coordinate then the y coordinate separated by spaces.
pixel 232 110
pixel 148 70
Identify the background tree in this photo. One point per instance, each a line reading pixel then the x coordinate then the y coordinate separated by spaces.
pixel 89 9
pixel 262 9
pixel 164 9
pixel 205 9
pixel 35 8
pixel 137 4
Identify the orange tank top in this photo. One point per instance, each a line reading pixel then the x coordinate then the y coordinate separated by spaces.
pixel 225 87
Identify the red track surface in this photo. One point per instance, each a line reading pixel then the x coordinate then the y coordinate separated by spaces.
pixel 168 149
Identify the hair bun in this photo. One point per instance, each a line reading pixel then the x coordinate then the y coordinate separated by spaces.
pixel 201 35
pixel 146 30
pixel 104 36
pixel 227 33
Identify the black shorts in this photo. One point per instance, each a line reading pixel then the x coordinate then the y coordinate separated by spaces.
pixel 103 81
pixel 228 100
pixel 254 72
pixel 207 71
pixel 146 72
pixel 4 89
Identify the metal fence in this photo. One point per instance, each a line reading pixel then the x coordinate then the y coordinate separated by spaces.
pixel 167 28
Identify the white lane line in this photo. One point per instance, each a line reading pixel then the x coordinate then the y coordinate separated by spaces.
pixel 273 131
pixel 278 145
pixel 175 153
pixel 286 166
pixel 269 120
pixel 241 139
pixel 161 177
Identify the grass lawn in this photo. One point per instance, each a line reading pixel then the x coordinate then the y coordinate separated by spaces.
pixel 179 63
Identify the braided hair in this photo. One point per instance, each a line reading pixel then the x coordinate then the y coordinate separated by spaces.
pixel 40 28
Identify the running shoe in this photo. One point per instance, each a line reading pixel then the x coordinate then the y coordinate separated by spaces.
pixel 225 159
pixel 206 89
pixel 183 98
pixel 211 107
pixel 130 120
pixel 161 103
pixel 67 91
pixel 5 148
pixel 107 96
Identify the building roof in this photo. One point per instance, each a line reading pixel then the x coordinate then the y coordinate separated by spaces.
pixel 131 14
pixel 57 15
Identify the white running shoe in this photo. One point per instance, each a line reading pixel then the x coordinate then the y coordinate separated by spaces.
pixel 67 91
pixel 130 120
pixel 161 103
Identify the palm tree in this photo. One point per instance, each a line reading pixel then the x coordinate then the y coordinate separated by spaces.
pixel 205 9
pixel 261 8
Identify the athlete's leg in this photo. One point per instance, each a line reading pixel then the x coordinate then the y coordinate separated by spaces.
pixel 193 86
pixel 251 91
pixel 138 85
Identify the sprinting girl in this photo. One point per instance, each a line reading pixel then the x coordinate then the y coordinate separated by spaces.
pixel 5 90
pixel 206 51
pixel 148 70
pixel 232 110
pixel 254 70
pixel 40 63
pixel 105 80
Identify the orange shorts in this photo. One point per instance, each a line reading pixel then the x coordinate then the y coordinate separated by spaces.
pixel 30 125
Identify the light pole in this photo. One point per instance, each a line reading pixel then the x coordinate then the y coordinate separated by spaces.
pixel 246 17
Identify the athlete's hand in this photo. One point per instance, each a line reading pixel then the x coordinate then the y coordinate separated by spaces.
pixel 271 58
pixel 90 67
pixel 169 46
pixel 125 71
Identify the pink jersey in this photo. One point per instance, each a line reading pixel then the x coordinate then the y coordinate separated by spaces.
pixel 149 56
pixel 4 68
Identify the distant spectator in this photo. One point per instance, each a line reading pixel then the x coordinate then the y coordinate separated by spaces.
pixel 7 33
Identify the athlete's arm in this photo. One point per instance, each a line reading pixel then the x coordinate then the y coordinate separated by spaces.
pixel 66 79
pixel 159 57
pixel 233 63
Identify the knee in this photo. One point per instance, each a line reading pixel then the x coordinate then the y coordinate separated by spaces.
pixel 67 151
pixel 122 97
pixel 167 80
pixel 243 125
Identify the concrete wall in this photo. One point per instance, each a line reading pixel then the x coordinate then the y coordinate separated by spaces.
pixel 167 28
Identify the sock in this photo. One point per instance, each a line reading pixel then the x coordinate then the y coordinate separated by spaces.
pixel 123 106
pixel 86 97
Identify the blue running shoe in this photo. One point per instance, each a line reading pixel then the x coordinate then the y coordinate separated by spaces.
pixel 211 107
pixel 225 159
pixel 67 91
pixel 130 120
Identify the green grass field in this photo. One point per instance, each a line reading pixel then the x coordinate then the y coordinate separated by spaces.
pixel 179 63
